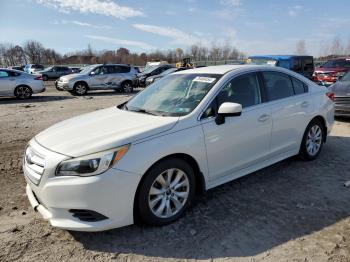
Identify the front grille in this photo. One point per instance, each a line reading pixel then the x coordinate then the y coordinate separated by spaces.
pixel 342 105
pixel 34 165
pixel 87 215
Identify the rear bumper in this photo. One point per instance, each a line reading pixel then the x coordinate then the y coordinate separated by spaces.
pixel 342 106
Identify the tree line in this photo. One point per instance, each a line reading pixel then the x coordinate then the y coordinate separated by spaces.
pixel 34 52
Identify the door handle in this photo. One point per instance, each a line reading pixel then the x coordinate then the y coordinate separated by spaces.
pixel 305 104
pixel 264 118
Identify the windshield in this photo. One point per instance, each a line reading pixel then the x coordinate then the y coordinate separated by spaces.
pixel 149 69
pixel 261 61
pixel 169 71
pixel 173 95
pixel 87 69
pixel 346 77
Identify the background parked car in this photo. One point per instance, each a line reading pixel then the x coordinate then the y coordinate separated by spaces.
pixel 303 65
pixel 75 70
pixel 19 84
pixel 341 90
pixel 33 68
pixel 98 77
pixel 54 72
pixel 151 79
pixel 329 72
pixel 151 71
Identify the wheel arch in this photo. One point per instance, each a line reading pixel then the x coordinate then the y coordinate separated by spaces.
pixel 323 121
pixel 199 177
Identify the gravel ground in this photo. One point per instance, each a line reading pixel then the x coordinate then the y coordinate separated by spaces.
pixel 291 211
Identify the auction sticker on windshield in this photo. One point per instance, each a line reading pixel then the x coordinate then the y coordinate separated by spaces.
pixel 204 79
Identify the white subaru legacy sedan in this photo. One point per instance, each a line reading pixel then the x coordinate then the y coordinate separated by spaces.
pixel 190 131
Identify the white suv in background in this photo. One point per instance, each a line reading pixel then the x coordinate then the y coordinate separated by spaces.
pixel 190 131
pixel 99 77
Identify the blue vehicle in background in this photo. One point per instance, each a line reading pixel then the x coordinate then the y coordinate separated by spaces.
pixel 303 65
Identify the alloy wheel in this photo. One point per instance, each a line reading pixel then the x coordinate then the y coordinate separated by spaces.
pixel 127 88
pixel 314 140
pixel 23 92
pixel 80 89
pixel 169 193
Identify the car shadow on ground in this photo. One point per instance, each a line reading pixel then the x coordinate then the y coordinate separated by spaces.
pixel 109 93
pixel 248 216
pixel 33 99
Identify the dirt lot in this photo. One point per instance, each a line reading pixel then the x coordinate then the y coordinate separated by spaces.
pixel 292 211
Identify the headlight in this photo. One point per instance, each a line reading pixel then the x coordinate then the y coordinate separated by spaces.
pixel 91 165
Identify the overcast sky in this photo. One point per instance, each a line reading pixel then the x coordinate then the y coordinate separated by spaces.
pixel 253 26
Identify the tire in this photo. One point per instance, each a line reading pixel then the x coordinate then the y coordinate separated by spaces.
pixel 45 78
pixel 127 87
pixel 160 204
pixel 313 140
pixel 23 92
pixel 80 88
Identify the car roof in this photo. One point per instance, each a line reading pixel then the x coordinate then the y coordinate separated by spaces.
pixel 278 57
pixel 219 69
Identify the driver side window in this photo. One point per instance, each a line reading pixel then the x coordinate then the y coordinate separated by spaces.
pixel 243 90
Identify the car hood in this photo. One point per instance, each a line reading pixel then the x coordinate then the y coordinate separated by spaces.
pixel 102 130
pixel 71 76
pixel 341 88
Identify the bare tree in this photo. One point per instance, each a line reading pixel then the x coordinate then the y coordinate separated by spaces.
pixel 300 47
pixel 336 47
pixel 34 51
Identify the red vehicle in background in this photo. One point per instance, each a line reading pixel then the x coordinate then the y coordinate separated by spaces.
pixel 329 72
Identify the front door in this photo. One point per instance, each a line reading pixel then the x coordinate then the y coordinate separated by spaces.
pixel 99 79
pixel 241 141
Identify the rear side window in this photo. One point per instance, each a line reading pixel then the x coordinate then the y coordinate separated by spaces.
pixel 13 73
pixel 299 87
pixel 243 90
pixel 124 69
pixel 278 85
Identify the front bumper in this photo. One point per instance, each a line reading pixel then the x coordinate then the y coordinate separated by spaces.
pixel 110 194
pixel 63 86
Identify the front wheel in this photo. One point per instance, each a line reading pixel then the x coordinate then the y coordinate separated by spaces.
pixel 80 89
pixel 127 87
pixel 166 192
pixel 313 139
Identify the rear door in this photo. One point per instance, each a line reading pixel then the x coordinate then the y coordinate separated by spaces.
pixel 241 141
pixel 7 83
pixel 290 105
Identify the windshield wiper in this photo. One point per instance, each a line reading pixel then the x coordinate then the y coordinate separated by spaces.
pixel 144 111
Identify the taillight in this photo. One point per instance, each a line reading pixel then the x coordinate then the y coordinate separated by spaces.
pixel 330 96
pixel 38 78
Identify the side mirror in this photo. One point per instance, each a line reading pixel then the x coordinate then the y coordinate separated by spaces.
pixel 228 109
pixel 92 73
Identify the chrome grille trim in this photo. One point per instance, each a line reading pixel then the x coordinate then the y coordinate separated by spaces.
pixel 34 165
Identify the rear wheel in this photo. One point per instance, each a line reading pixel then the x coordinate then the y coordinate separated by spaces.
pixel 80 89
pixel 166 192
pixel 313 139
pixel 23 92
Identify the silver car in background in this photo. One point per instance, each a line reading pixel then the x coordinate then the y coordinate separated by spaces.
pixel 341 91
pixel 118 77
pixel 19 84
pixel 55 72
